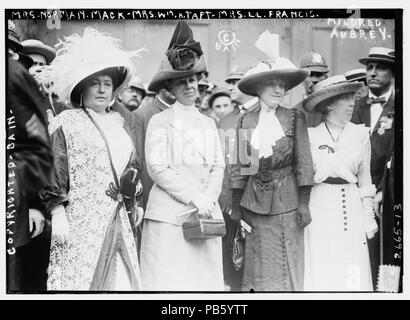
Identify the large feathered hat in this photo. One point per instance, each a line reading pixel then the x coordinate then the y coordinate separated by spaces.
pixel 79 57
pixel 184 57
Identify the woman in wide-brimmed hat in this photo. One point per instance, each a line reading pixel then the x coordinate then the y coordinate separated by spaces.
pixel 185 161
pixel 92 191
pixel 341 201
pixel 271 185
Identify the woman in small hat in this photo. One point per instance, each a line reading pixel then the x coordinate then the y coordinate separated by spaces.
pixel 184 159
pixel 91 193
pixel 271 185
pixel 341 201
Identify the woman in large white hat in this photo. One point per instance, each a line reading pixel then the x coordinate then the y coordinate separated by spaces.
pixel 184 159
pixel 91 194
pixel 271 185
pixel 341 201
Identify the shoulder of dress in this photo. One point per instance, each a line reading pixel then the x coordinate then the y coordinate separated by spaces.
pixel 359 132
pixel 65 117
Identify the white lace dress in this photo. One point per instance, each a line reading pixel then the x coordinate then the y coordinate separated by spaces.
pixel 83 174
pixel 336 253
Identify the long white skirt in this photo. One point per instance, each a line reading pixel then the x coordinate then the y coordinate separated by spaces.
pixel 171 263
pixel 336 253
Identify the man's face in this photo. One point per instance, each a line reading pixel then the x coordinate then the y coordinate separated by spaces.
pixel 314 78
pixel 222 106
pixel 233 89
pixel 379 77
pixel 131 98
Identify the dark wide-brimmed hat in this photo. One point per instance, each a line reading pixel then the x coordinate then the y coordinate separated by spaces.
pixel 282 69
pixel 220 92
pixel 379 54
pixel 327 89
pixel 314 62
pixel 184 58
pixel 31 46
pixel 358 74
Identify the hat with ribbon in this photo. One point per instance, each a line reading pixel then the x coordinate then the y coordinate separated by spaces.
pixel 356 75
pixel 78 58
pixel 31 46
pixel 184 58
pixel 326 89
pixel 274 68
pixel 379 54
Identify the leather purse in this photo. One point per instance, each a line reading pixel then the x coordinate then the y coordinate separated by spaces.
pixel 200 228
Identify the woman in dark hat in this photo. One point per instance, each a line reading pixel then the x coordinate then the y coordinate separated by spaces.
pixel 91 194
pixel 185 161
pixel 271 185
pixel 341 201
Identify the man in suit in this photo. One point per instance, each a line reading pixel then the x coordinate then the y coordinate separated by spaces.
pixel 315 63
pixel 139 124
pixel 376 111
pixel 131 96
pixel 29 162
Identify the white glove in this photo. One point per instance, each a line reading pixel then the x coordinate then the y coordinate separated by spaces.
pixel 36 222
pixel 60 227
pixel 370 222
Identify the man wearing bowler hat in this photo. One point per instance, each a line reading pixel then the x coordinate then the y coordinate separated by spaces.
pixel 315 63
pixel 376 111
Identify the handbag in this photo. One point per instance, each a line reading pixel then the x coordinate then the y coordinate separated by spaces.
pixel 200 228
pixel 237 250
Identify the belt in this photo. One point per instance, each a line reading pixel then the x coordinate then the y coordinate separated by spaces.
pixel 333 180
pixel 267 175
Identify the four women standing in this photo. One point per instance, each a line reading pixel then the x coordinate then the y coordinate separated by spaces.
pixel 92 193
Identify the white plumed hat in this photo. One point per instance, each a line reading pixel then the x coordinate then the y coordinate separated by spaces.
pixel 78 57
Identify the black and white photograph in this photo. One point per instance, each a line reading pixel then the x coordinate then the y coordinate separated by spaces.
pixel 203 151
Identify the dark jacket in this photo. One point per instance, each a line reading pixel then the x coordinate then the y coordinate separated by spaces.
pixel 227 133
pixel 380 141
pixel 29 154
pixel 139 122
pixel 270 184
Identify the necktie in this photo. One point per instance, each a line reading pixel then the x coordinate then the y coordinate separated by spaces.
pixel 376 100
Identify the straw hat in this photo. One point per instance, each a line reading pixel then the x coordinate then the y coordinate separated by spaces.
pixel 282 68
pixel 136 82
pixel 184 58
pixel 356 75
pixel 36 46
pixel 379 54
pixel 326 89
pixel 80 57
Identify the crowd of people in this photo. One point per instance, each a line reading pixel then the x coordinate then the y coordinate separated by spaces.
pixel 109 170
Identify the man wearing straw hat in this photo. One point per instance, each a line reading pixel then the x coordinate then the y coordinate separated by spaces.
pixel 376 111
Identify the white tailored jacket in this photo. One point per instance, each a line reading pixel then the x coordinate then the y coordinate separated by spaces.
pixel 184 158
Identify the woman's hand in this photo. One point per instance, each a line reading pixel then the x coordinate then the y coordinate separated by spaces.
pixel 204 205
pixel 36 222
pixel 377 203
pixel 60 228
pixel 303 216
pixel 139 216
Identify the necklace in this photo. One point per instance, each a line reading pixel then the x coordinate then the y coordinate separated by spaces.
pixel 337 139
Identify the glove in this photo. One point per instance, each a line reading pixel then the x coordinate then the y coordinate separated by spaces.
pixel 304 218
pixel 60 227
pixel 371 226
pixel 236 207
pixel 36 222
